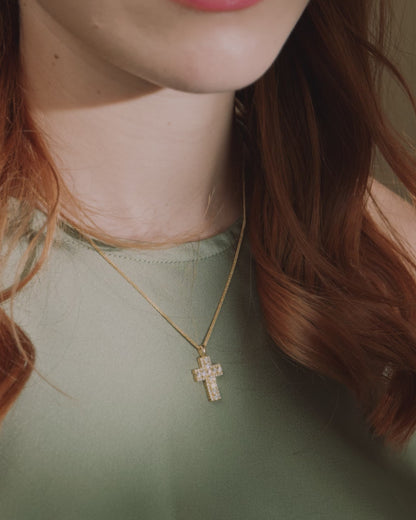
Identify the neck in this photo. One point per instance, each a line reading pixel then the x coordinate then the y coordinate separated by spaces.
pixel 148 163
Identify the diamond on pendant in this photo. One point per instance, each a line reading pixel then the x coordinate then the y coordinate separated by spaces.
pixel 208 373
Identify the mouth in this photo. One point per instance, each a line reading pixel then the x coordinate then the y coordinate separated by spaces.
pixel 217 5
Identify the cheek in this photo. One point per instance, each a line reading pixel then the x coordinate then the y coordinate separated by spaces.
pixel 68 14
pixel 98 23
pixel 101 26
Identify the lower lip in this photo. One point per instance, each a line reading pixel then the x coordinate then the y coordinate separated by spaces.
pixel 218 5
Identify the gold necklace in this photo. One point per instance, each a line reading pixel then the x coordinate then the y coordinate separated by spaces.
pixel 207 372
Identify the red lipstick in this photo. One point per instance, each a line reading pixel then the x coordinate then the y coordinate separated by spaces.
pixel 217 5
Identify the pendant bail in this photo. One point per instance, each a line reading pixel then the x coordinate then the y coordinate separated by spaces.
pixel 201 350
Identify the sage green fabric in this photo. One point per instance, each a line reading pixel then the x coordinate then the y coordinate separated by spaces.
pixel 133 436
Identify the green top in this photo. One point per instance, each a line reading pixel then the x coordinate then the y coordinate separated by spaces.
pixel 136 438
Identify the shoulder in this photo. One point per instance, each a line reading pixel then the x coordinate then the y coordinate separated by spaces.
pixel 400 213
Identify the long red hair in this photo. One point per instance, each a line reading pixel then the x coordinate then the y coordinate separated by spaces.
pixel 337 295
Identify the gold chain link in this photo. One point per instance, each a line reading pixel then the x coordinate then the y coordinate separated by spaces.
pixel 207 337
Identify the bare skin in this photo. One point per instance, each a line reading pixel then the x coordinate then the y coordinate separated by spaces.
pixel 136 98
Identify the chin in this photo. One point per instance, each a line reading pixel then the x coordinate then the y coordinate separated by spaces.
pixel 204 76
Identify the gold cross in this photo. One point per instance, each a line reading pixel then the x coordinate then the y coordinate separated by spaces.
pixel 208 374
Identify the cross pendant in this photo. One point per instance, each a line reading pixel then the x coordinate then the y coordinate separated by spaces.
pixel 208 374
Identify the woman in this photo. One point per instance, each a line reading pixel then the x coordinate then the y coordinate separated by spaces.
pixel 157 361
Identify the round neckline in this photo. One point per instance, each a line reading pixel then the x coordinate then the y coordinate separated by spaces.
pixel 187 251
pixel 68 237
